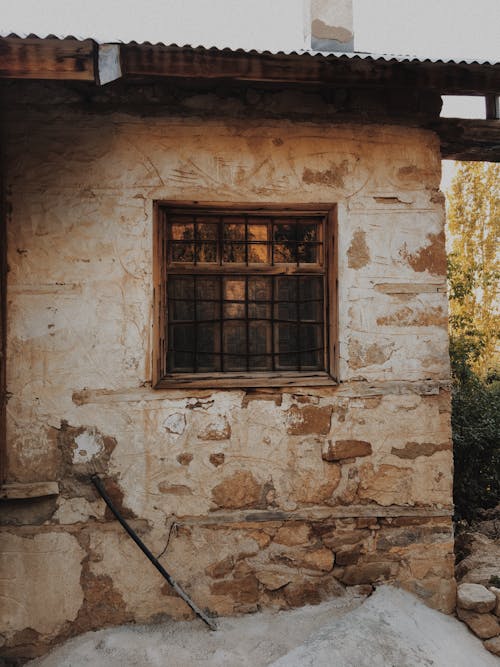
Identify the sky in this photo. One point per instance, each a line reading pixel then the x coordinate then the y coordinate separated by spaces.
pixel 448 29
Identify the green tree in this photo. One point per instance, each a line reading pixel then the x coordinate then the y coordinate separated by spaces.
pixel 473 220
pixel 473 276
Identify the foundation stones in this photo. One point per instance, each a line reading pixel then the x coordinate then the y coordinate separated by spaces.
pixel 475 597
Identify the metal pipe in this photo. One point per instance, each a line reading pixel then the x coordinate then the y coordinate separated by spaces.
pixel 97 482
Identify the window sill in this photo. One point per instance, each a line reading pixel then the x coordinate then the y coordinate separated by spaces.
pixel 244 380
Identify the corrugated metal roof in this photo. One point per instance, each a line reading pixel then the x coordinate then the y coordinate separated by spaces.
pixel 380 57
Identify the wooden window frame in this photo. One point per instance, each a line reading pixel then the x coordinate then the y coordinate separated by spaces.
pixel 161 379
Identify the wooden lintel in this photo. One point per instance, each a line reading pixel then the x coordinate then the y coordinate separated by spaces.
pixel 467 139
pixel 60 59
pixel 316 514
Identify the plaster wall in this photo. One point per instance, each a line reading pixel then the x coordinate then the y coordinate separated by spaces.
pixel 263 497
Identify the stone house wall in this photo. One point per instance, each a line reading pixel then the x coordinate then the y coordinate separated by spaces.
pixel 262 497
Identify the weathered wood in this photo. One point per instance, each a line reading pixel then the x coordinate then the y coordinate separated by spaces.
pixel 3 334
pixel 64 59
pixel 492 107
pixel 140 60
pixel 314 514
pixel 256 379
pixel 359 389
pixel 466 139
pixel 19 491
pixel 410 288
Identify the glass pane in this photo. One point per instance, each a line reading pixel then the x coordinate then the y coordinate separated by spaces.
pixel 181 287
pixel 181 348
pixel 207 363
pixel 234 232
pixel 260 341
pixel 284 232
pixel 234 346
pixel 206 231
pixel 310 287
pixel 207 310
pixel 207 288
pixel 257 253
pixel 207 339
pixel 182 232
pixel 308 254
pixel 234 253
pixel 311 311
pixel 286 311
pixel 206 252
pixel 286 288
pixel 234 289
pixel 307 232
pixel 259 311
pixel 311 345
pixel 259 289
pixel 287 344
pixel 285 253
pixel 234 311
pixel 182 252
pixel 257 232
pixel 180 310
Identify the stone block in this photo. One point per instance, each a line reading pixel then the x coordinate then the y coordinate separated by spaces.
pixel 475 597
pixel 346 449
pixel 493 645
pixel 484 626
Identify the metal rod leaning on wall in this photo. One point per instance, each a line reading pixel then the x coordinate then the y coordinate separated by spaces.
pixel 97 482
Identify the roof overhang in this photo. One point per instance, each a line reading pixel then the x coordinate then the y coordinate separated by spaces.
pixel 85 60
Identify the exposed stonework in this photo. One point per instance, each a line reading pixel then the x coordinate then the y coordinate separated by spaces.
pixel 240 490
pixel 358 254
pixel 309 419
pixel 431 257
pixel 346 449
pixel 253 497
pixel 475 597
pixel 484 626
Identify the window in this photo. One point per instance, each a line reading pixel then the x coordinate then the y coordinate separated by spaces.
pixel 244 296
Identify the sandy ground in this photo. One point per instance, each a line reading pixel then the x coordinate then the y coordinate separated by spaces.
pixel 390 629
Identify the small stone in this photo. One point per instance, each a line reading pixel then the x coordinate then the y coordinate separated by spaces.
pixel 308 420
pixel 217 459
pixel 475 597
pixel 496 593
pixel 272 580
pixel 493 645
pixel 482 625
pixel 293 534
pixel 244 590
pixel 302 593
pixel 319 559
pixel 346 449
pixel 366 573
pixel 185 459
pixel 240 490
pixel 221 568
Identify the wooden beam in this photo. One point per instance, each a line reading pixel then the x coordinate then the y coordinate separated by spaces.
pixel 21 491
pixel 3 332
pixel 145 60
pixel 63 59
pixel 492 107
pixel 466 139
